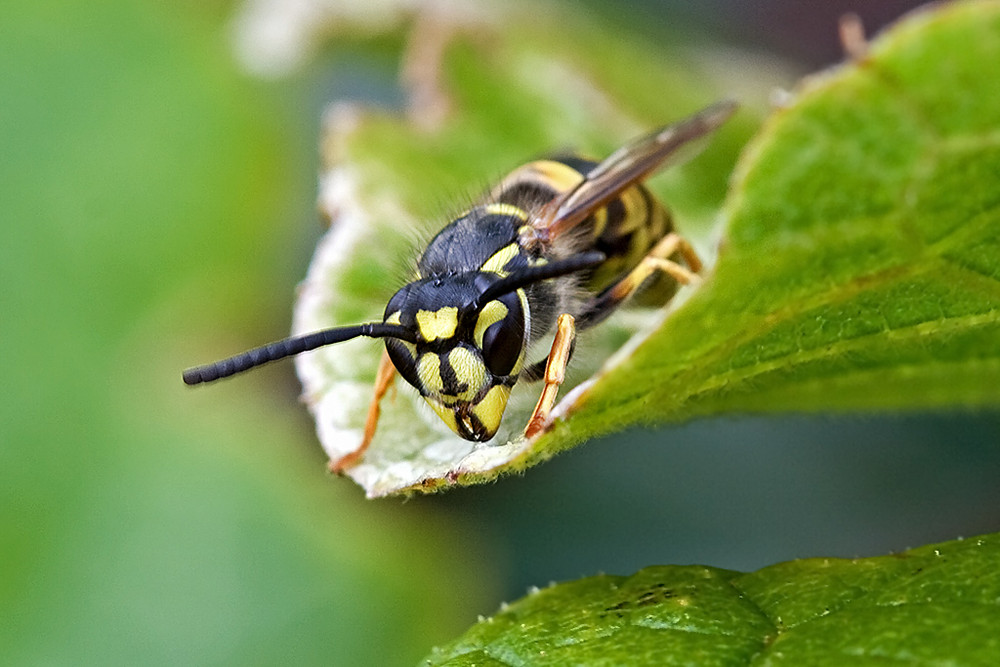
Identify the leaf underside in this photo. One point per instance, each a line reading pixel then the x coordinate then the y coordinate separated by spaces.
pixel 859 269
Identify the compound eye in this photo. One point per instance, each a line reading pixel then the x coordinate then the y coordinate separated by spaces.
pixel 403 357
pixel 502 327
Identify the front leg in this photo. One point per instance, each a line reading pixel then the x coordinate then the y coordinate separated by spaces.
pixel 384 378
pixel 555 374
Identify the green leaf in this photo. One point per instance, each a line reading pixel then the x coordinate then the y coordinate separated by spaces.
pixel 939 604
pixel 861 265
pixel 859 268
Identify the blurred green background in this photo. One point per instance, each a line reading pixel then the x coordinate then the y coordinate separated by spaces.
pixel 157 208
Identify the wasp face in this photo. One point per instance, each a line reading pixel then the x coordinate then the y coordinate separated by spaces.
pixel 466 357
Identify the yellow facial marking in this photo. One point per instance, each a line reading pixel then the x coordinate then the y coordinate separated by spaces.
pixel 446 400
pixel 506 209
pixel 500 258
pixel 434 324
pixel 429 372
pixel 446 414
pixel 469 369
pixel 394 318
pixel 490 410
pixel 492 313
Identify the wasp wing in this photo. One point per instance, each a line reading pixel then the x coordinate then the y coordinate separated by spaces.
pixel 629 165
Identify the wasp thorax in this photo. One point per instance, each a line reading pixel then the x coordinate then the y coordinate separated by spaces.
pixel 466 357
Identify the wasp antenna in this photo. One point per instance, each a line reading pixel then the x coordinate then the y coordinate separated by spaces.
pixel 534 274
pixel 292 346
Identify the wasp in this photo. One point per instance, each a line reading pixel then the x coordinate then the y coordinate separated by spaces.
pixel 557 246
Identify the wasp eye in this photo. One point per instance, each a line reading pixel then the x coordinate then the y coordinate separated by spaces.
pixel 404 358
pixel 502 346
pixel 502 329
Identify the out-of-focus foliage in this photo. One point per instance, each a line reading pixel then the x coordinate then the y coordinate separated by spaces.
pixel 142 180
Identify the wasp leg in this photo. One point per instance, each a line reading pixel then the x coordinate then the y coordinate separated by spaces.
pixel 428 101
pixel 852 37
pixel 384 378
pixel 536 371
pixel 555 373
pixel 607 301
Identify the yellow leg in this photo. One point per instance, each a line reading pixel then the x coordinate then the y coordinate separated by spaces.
pixel 606 302
pixel 683 247
pixel 384 378
pixel 657 260
pixel 555 374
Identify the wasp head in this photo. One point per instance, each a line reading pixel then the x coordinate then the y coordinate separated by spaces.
pixel 467 355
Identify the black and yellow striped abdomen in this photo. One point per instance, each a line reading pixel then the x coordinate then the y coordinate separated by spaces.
pixel 624 229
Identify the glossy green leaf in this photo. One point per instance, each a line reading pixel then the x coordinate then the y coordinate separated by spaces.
pixel 939 604
pixel 858 270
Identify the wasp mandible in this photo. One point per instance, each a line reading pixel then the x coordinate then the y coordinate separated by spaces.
pixel 559 244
